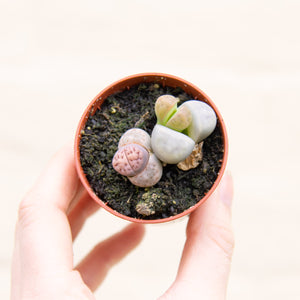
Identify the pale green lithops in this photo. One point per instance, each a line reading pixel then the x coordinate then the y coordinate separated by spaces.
pixel 135 159
pixel 179 130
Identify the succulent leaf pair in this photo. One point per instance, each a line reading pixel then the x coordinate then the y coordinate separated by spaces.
pixel 178 130
pixel 169 115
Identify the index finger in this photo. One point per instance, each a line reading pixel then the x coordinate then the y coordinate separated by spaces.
pixel 43 235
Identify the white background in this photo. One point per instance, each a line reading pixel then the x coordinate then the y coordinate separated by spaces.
pixel 55 56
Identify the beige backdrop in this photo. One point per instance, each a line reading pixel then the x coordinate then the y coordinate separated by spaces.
pixel 55 56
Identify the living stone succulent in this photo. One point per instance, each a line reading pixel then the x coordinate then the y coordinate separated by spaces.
pixel 203 121
pixel 131 159
pixel 136 136
pixel 170 146
pixel 169 115
pixel 178 130
pixel 150 175
pixel 135 160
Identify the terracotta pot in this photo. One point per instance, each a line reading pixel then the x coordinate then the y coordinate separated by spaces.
pixel 125 83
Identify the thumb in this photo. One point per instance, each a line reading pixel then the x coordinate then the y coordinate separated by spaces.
pixel 206 258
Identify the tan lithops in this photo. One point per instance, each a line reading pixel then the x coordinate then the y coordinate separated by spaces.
pixel 165 106
pixel 180 120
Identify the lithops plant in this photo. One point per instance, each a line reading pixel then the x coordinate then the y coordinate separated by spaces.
pixel 178 130
pixel 170 146
pixel 135 159
pixel 203 120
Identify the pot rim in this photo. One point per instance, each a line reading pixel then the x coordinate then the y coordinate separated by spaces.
pixel 125 83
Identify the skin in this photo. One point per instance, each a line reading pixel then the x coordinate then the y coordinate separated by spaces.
pixel 52 214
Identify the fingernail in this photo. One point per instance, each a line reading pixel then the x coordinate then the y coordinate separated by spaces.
pixel 226 189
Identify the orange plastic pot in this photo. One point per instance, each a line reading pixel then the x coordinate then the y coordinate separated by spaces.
pixel 126 83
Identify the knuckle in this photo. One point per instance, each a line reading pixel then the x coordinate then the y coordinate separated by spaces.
pixel 27 210
pixel 222 237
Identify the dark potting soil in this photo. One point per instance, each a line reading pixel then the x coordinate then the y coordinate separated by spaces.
pixel 177 190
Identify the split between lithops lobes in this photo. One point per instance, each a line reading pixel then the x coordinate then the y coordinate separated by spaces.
pixel 178 130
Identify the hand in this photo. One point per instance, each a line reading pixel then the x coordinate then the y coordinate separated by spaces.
pixel 52 214
pixel 205 263
pixel 50 217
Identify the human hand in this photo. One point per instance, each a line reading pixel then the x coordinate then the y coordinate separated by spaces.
pixel 50 217
pixel 52 214
pixel 205 263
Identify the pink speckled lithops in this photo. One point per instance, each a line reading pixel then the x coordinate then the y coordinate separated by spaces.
pixel 130 159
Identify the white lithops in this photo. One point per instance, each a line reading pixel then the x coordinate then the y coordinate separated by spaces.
pixel 135 160
pixel 170 146
pixel 203 121
pixel 178 131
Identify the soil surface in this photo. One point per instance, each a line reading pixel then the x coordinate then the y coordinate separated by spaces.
pixel 177 190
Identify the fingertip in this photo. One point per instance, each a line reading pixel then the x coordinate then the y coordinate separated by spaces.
pixel 207 211
pixel 226 189
pixel 138 230
pixel 206 258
